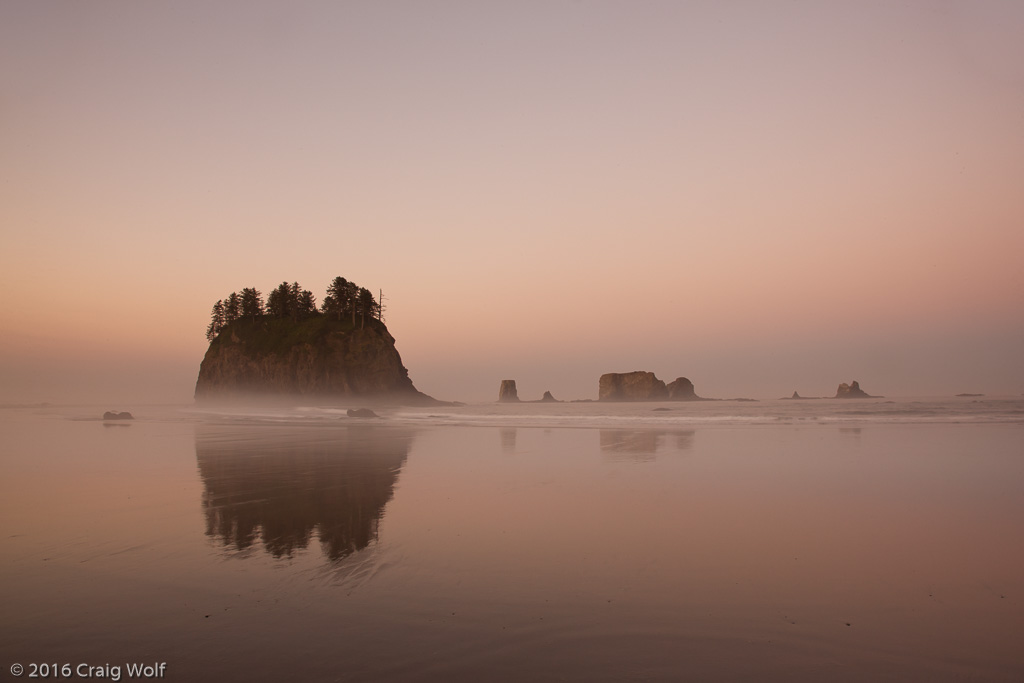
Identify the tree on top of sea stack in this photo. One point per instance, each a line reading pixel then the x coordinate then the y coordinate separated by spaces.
pixel 291 301
pixel 252 303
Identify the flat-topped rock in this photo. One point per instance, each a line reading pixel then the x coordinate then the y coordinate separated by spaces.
pixel 631 386
pixel 508 393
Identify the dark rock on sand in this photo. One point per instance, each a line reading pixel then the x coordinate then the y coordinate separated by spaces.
pixel 851 390
pixel 508 393
pixel 113 415
pixel 361 412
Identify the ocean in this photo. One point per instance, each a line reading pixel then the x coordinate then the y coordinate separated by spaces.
pixel 787 540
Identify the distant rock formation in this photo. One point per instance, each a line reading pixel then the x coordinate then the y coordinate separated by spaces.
pixel 316 357
pixel 508 393
pixel 798 397
pixel 851 390
pixel 681 390
pixel 548 398
pixel 631 386
pixel 113 415
pixel 644 386
pixel 361 412
pixel 970 395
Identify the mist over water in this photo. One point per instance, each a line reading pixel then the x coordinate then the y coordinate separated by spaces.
pixel 644 414
pixel 784 540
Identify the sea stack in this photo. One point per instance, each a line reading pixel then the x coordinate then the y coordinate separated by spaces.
pixel 851 390
pixel 548 398
pixel 508 393
pixel 281 359
pixel 631 386
pixel 682 390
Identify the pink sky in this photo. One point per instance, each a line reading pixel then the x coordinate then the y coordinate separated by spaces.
pixel 761 196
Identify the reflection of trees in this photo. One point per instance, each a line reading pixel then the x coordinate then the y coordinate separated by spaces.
pixel 277 485
pixel 643 444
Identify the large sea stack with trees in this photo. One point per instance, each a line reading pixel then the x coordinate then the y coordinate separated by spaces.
pixel 287 348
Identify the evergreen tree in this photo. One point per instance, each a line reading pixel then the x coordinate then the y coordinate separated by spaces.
pixel 352 299
pixel 232 307
pixel 294 292
pixel 278 301
pixel 306 304
pixel 216 321
pixel 252 303
pixel 334 302
pixel 366 305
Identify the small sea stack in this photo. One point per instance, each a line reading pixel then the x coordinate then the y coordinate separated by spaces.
pixel 851 390
pixel 681 389
pixel 508 393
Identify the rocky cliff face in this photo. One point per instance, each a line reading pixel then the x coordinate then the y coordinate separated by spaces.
pixel 507 392
pixel 631 386
pixel 317 357
pixel 681 390
pixel 644 386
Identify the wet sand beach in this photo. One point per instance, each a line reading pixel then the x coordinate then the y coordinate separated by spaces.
pixel 411 549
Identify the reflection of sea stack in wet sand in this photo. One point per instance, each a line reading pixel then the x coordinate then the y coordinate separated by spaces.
pixel 851 390
pixel 285 492
pixel 508 393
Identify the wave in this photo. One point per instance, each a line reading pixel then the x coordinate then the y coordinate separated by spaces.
pixel 657 415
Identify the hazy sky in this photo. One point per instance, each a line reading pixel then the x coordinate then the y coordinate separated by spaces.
pixel 761 196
